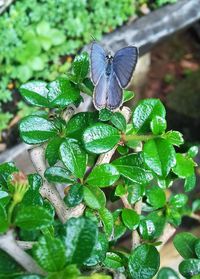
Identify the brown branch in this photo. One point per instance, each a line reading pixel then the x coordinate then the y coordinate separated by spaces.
pixel 169 230
pixel 25 245
pixel 135 235
pixel 9 245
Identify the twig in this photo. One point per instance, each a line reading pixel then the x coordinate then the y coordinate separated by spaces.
pixel 9 245
pixel 106 157
pixel 135 234
pixel 169 230
pixel 195 216
pixel 125 202
pixel 25 245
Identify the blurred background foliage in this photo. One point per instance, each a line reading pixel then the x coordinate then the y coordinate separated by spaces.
pixel 39 38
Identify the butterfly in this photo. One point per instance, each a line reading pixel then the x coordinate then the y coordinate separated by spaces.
pixel 111 74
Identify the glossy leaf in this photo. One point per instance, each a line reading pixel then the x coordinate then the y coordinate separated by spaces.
pixel 159 155
pixel 8 265
pixel 35 129
pixel 94 197
pixel 80 236
pixel 144 262
pixel 103 175
pixel 33 217
pixel 105 114
pixel 3 220
pixel 6 170
pixel 189 268
pixel 193 151
pixel 74 195
pixel 35 93
pixel 119 228
pixel 135 192
pixel 152 226
pixel 144 112
pixel 100 138
pixel 190 183
pixel 32 196
pixel 62 93
pixel 73 157
pixel 58 175
pixel 113 261
pixel 99 251
pixel 79 122
pixel 184 166
pixel 178 200
pixel 167 273
pixel 127 95
pixel 107 219
pixel 156 197
pixel 4 198
pixel 52 150
pixel 130 218
pixel 50 253
pixel 158 125
pixel 80 66
pixel 197 248
pixel 119 121
pixel 185 244
pixel 174 137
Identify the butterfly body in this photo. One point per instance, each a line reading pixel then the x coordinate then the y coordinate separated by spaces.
pixel 111 74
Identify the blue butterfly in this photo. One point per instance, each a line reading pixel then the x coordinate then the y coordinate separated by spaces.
pixel 111 74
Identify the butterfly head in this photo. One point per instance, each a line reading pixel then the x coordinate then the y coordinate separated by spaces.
pixel 109 56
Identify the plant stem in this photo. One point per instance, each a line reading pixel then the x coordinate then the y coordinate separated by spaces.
pixel 169 230
pixel 85 89
pixel 10 211
pixel 9 245
pixel 138 137
pixel 135 234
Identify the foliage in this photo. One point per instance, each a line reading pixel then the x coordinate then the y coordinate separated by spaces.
pixel 144 173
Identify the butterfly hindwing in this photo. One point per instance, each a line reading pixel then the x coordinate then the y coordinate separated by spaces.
pixel 98 62
pixel 115 93
pixel 124 63
pixel 100 93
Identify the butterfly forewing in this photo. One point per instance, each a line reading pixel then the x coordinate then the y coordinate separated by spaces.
pixel 98 62
pixel 124 63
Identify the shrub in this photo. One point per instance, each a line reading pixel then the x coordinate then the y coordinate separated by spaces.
pixel 125 158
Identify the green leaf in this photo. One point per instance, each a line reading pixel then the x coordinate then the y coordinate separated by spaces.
pixel 189 268
pixel 99 251
pixel 120 190
pixel 167 273
pixel 57 37
pixel 103 175
pixel 74 195
pixel 80 236
pixel 184 166
pixel 94 197
pixel 113 260
pixel 80 66
pixel 8 266
pixel 4 198
pixel 127 96
pixel 158 125
pixel 174 137
pixel 3 220
pixel 197 248
pixel 152 226
pixel 156 197
pixel 144 112
pixel 37 63
pixel 196 205
pixel 135 192
pixel 193 151
pixel 50 253
pixel 79 122
pixel 178 200
pixel 107 219
pixel 33 217
pixel 130 218
pixel 100 138
pixel 144 262
pixel 105 114
pixel 190 183
pixel 58 175
pixel 52 150
pixel 119 121
pixel 62 93
pixel 35 129
pixel 71 271
pixel 185 244
pixel 6 170
pixel 32 196
pixel 73 157
pixel 35 93
pixel 119 228
pixel 160 156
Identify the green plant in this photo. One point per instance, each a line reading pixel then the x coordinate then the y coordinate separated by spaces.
pixel 78 236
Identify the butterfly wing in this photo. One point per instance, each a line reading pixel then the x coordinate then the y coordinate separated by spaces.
pixel 98 62
pixel 100 93
pixel 115 93
pixel 124 63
